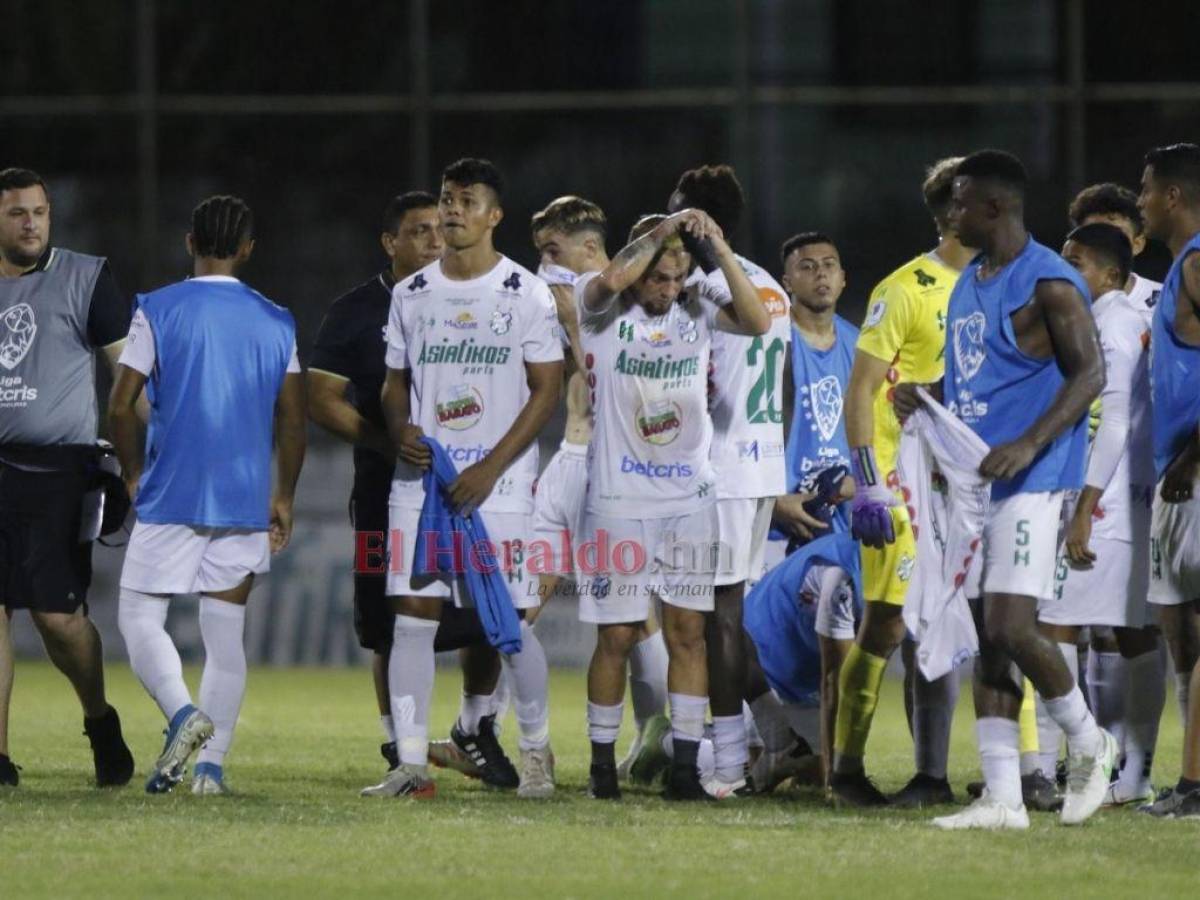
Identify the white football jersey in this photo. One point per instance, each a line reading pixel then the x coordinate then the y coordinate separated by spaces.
pixel 466 344
pixel 649 456
pixel 1144 296
pixel 746 393
pixel 1125 340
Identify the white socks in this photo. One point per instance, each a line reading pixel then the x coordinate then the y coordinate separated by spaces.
pixel 473 708
pixel 1106 679
pixel 933 713
pixel 1146 686
pixel 1049 732
pixel 1072 715
pixel 604 722
pixel 999 756
pixel 687 717
pixel 706 763
pixel 410 681
pixel 223 683
pixel 142 619
pixel 730 747
pixel 648 678
pixel 389 730
pixel 530 680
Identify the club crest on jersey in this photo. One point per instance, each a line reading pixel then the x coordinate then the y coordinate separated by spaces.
pixel 459 407
pixel 501 321
pixel 875 315
pixel 968 344
pixel 659 421
pixel 825 405
pixel 462 321
pixel 687 331
pixel 512 282
pixel 418 283
pixel 18 327
pixel 657 338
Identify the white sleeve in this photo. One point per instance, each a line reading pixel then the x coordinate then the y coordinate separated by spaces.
pixel 140 352
pixel 542 339
pixel 294 363
pixel 396 356
pixel 1121 353
pixel 715 289
pixel 586 314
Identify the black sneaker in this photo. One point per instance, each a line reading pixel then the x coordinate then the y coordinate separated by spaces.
pixel 390 753
pixel 683 783
pixel 1171 804
pixel 114 762
pixel 1040 793
pixel 9 772
pixel 602 782
pixel 922 791
pixel 485 751
pixel 856 790
pixel 975 789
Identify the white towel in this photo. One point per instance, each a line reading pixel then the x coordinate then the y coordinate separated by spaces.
pixel 948 529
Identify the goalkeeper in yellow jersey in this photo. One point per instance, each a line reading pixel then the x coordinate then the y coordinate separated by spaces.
pixel 902 339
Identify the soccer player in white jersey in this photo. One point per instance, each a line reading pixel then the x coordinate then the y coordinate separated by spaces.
pixel 650 516
pixel 474 361
pixel 218 361
pixel 1104 567
pixel 569 235
pixel 747 453
pixel 1114 204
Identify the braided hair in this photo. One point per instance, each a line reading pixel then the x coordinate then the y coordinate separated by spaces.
pixel 219 226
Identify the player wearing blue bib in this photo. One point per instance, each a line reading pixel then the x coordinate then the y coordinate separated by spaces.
pixel 1170 204
pixel 218 361
pixel 1023 364
pixel 816 375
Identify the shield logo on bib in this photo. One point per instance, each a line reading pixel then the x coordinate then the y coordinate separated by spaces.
pixel 826 399
pixel 968 344
pixel 17 330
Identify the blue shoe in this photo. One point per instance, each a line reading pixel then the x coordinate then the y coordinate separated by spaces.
pixel 187 733
pixel 208 779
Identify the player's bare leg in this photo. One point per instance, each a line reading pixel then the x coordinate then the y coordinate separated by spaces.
pixel 8 771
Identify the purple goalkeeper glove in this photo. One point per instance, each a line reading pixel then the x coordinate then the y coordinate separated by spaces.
pixel 870 511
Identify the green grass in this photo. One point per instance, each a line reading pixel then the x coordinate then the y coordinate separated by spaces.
pixel 297 827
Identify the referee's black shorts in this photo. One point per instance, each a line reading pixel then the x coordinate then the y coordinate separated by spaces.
pixel 43 565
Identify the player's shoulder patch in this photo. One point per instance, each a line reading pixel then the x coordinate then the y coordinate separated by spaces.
pixel 875 314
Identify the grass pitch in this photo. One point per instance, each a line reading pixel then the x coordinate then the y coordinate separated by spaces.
pixel 297 827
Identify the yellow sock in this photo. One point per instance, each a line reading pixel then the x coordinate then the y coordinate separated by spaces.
pixel 1028 721
pixel 858 694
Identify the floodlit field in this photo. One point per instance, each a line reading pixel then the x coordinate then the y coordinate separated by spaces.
pixel 297 827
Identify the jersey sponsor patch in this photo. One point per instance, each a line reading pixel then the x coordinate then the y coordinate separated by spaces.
pixel 460 407
pixel 658 422
pixel 875 315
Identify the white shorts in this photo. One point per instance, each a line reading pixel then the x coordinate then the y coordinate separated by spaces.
pixel 1020 545
pixel 835 601
pixel 558 505
pixel 670 557
pixel 1112 592
pixel 742 526
pixel 180 559
pixel 1174 551
pixel 507 531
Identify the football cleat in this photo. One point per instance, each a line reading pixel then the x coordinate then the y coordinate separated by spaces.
pixel 985 814
pixel 652 759
pixel 855 790
pixel 537 774
pixel 1142 795
pixel 602 782
pixel 1171 804
pixel 446 755
pixel 921 791
pixel 404 781
pixel 110 753
pixel 683 784
pixel 208 780
pixel 390 753
pixel 772 769
pixel 1088 778
pixel 187 733
pixel 720 789
pixel 10 772
pixel 495 768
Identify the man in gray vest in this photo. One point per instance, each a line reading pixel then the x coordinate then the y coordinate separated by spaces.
pixel 57 308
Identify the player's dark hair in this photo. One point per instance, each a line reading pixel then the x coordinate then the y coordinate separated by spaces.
pixel 219 226
pixel 15 179
pixel 803 239
pixel 398 206
pixel 470 170
pixel 997 166
pixel 717 191
pixel 1107 199
pixel 570 215
pixel 1109 243
pixel 1178 164
pixel 937 188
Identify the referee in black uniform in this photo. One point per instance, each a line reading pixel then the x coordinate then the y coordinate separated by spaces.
pixel 57 309
pixel 345 378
